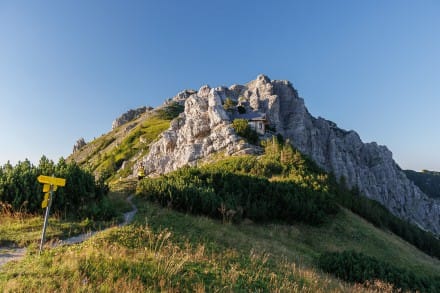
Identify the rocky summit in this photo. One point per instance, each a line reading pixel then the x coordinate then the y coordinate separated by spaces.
pixel 128 116
pixel 205 128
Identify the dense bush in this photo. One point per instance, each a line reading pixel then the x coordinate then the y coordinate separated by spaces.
pixel 81 197
pixel 356 267
pixel 242 128
pixel 229 105
pixel 283 162
pixel 170 111
pixel 223 194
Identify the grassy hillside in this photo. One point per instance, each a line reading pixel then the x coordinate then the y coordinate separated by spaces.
pixel 266 223
pixel 282 185
pixel 166 250
pixel 112 155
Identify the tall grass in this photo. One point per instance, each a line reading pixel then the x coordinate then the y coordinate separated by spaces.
pixel 136 259
pixel 18 228
pixel 172 252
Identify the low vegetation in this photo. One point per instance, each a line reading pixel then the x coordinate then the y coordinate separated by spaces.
pixel 81 197
pixel 379 216
pixel 170 111
pixel 357 267
pixel 234 197
pixel 242 128
pixel 226 186
pixel 110 156
pixel 281 186
pixel 276 222
pixel 137 141
pixel 20 229
pixel 164 250
pixel 229 105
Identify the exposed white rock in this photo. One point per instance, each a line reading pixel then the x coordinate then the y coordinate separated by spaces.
pixel 202 129
pixel 181 97
pixel 368 166
pixel 128 116
pixel 79 144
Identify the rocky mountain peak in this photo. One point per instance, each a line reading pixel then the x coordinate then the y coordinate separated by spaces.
pixel 205 128
pixel 204 91
pixel 80 143
pixel 181 97
pixel 128 116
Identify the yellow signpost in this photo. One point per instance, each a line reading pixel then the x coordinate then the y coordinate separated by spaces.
pixel 46 187
pixel 51 180
pixel 45 200
pixel 50 185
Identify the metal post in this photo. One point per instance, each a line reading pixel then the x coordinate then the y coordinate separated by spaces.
pixel 46 218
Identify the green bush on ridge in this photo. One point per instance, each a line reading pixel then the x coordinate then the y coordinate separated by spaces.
pixel 280 163
pixel 241 126
pixel 357 267
pixel 170 111
pixel 238 188
pixel 222 194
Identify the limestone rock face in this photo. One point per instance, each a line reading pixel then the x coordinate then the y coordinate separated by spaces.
pixel 205 128
pixel 181 97
pixel 368 166
pixel 79 144
pixel 128 116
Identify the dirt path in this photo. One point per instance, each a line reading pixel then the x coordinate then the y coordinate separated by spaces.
pixel 8 254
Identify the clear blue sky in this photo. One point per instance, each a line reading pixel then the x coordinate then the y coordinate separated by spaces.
pixel 68 68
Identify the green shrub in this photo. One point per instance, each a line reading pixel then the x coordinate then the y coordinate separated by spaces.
pixel 356 267
pixel 80 198
pixel 171 111
pixel 229 105
pixel 226 195
pixel 112 161
pixel 242 128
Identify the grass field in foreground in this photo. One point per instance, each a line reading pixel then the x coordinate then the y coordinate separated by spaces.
pixel 164 250
pixel 19 229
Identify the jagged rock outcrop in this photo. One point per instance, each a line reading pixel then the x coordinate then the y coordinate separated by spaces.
pixel 204 128
pixel 181 97
pixel 128 116
pixel 79 144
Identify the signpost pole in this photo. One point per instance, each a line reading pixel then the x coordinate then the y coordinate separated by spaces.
pixel 46 217
pixel 50 184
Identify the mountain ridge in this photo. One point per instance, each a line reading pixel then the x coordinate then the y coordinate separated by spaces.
pixel 205 127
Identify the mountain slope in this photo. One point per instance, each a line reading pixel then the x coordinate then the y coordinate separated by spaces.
pixel 197 253
pixel 205 128
pixel 113 155
pixel 427 181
